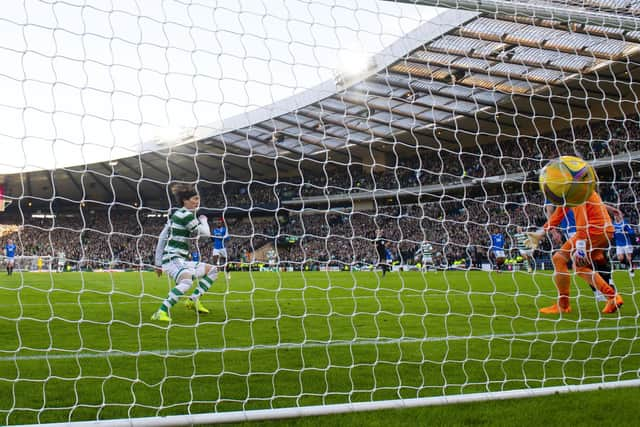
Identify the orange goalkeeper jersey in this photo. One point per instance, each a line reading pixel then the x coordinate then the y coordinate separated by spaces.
pixel 592 218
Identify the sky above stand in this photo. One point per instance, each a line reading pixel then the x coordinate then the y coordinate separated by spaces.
pixel 94 80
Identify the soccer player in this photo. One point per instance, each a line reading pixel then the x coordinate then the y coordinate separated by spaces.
pixel 389 256
pixel 10 253
pixel 62 260
pixel 593 233
pixel 425 255
pixel 172 253
pixel 527 254
pixel 271 259
pixel 496 251
pixel 440 261
pixel 624 237
pixel 381 249
pixel 566 230
pixel 219 238
pixel 245 255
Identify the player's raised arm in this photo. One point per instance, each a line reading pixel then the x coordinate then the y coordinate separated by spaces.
pixel 613 210
pixel 203 227
pixel 162 242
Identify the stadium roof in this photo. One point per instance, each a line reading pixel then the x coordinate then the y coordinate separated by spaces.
pixel 462 80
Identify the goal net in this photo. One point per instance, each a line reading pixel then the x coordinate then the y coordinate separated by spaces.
pixel 368 172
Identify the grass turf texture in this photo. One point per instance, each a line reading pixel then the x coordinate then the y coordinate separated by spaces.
pixel 81 346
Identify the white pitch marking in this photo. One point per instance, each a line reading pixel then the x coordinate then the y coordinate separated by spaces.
pixel 341 343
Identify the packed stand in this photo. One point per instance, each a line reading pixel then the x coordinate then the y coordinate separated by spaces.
pixel 455 227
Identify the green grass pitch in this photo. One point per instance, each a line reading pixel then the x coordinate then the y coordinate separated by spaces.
pixel 82 346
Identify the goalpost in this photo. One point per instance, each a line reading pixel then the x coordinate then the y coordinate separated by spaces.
pixel 361 156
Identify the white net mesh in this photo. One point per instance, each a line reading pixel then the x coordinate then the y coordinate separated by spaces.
pixel 360 209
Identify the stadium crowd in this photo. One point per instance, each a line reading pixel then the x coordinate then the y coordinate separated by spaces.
pixel 457 227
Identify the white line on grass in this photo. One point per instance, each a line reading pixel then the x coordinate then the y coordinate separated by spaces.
pixel 417 294
pixel 90 354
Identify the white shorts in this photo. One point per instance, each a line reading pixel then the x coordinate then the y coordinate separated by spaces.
pixel 624 250
pixel 220 252
pixel 526 252
pixel 427 260
pixel 10 260
pixel 498 254
pixel 177 266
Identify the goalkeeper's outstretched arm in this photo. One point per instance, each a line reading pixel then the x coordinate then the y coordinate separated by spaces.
pixel 554 219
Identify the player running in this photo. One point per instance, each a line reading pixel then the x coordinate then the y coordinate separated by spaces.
pixel 172 253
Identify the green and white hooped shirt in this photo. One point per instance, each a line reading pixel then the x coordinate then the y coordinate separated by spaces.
pixel 183 226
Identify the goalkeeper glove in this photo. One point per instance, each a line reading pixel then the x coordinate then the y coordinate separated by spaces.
pixel 533 239
pixel 580 253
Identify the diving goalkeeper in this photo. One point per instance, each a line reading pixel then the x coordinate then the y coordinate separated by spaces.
pixel 585 248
